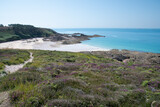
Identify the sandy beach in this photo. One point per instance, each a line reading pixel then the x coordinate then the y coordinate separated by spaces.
pixel 39 44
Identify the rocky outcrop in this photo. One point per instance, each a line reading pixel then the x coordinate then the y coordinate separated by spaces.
pixel 70 38
pixel 126 55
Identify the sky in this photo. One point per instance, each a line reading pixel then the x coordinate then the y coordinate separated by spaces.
pixel 82 13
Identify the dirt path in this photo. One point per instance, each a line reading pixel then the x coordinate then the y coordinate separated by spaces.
pixel 4 99
pixel 4 96
pixel 14 68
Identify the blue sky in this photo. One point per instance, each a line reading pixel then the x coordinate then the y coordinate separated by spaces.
pixel 82 13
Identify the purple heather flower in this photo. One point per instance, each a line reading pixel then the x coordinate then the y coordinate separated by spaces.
pixel 14 78
pixel 125 90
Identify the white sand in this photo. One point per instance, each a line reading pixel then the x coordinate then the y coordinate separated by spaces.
pixel 38 43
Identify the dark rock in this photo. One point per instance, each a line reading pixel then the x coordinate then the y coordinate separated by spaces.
pixel 120 57
pixel 70 38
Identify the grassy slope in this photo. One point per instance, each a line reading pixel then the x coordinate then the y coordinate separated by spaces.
pixel 8 36
pixel 17 32
pixel 4 36
pixel 76 79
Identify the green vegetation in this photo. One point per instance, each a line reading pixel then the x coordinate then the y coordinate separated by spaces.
pixel 68 79
pixel 17 32
pixel 1 66
pixel 13 57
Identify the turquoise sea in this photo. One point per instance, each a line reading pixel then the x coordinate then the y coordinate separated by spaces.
pixel 145 40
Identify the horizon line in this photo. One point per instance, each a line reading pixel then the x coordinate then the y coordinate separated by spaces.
pixel 100 28
pixel 88 27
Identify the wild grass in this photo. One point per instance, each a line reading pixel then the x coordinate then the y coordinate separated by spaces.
pixel 81 80
pixel 12 57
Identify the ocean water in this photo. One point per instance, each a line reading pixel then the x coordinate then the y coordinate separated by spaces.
pixel 145 40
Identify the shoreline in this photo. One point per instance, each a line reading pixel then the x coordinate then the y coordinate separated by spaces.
pixel 39 44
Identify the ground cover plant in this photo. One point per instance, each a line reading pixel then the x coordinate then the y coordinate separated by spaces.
pixel 66 79
pixel 12 57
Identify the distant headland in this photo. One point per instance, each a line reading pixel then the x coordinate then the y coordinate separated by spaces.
pixel 20 32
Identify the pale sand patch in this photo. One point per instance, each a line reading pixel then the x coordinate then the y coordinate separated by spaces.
pixel 4 99
pixel 38 43
pixel 21 44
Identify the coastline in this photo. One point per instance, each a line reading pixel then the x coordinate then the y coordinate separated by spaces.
pixel 39 44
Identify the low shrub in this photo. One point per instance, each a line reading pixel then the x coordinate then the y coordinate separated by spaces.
pixel 15 79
